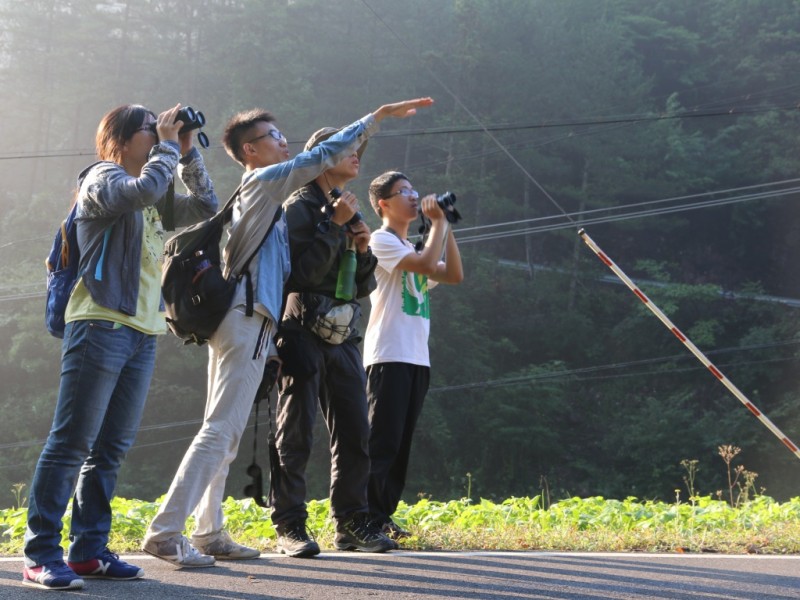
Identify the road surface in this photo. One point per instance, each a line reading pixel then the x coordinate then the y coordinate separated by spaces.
pixel 427 575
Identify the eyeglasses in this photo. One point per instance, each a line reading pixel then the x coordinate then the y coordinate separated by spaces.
pixel 273 133
pixel 406 192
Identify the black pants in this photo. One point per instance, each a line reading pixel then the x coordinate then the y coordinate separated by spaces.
pixel 395 392
pixel 339 386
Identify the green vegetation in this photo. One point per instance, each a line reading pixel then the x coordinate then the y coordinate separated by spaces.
pixel 704 524
pixel 737 520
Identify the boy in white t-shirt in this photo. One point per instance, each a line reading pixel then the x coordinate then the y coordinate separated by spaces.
pixel 396 341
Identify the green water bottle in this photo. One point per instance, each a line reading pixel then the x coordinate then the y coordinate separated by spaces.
pixel 346 282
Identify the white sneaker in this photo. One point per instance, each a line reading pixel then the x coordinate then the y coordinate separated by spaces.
pixel 221 546
pixel 178 551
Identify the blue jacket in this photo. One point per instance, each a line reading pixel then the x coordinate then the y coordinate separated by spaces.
pixel 110 222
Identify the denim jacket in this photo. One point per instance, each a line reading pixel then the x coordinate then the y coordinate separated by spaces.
pixel 110 222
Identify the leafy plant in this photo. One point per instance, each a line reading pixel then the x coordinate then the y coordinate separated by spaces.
pixel 594 523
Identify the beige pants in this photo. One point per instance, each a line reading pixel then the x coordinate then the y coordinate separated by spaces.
pixel 237 353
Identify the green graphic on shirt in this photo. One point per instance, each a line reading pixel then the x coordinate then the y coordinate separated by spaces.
pixel 416 300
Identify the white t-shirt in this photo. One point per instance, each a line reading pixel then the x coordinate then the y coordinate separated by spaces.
pixel 399 321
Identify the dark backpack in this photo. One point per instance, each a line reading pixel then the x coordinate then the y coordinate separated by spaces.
pixel 196 294
pixel 62 273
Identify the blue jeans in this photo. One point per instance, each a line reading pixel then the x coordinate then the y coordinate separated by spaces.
pixel 105 374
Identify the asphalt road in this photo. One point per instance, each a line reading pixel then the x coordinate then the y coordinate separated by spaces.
pixel 469 575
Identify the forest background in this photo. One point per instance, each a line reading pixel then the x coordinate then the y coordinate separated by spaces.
pixel 668 129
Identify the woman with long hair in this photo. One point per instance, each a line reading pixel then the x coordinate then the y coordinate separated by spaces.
pixel 108 353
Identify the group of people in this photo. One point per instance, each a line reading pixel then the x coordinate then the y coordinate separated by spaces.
pixel 302 316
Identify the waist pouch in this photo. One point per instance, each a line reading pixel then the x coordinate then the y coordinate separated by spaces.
pixel 332 321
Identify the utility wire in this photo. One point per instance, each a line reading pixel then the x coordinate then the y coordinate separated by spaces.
pixel 624 217
pixel 581 372
pixel 578 378
pixel 466 109
pixel 644 203
pixel 480 128
pixel 582 123
pixel 580 216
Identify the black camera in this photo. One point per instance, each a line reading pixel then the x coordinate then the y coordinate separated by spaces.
pixel 255 489
pixel 328 209
pixel 446 202
pixel 192 119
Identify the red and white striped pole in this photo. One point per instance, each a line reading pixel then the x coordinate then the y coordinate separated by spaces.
pixel 688 343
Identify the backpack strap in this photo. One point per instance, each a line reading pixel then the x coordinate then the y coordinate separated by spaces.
pixel 227 209
pixel 227 214
pixel 245 270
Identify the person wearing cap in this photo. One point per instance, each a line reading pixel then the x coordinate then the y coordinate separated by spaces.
pixel 242 344
pixel 396 341
pixel 322 364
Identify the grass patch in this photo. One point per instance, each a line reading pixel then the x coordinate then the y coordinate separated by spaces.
pixel 760 525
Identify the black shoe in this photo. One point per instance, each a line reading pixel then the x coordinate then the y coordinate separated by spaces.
pixel 393 531
pixel 293 540
pixel 360 533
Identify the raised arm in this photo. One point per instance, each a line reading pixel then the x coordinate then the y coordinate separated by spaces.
pixel 401 110
pixel 428 262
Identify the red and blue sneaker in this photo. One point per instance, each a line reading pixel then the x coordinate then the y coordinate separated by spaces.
pixel 106 566
pixel 53 575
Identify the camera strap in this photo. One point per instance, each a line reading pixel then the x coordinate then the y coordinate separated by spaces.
pixel 423 230
pixel 168 214
pixel 255 489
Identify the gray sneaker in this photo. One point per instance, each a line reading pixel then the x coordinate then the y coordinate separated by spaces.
pixel 222 547
pixel 359 532
pixel 293 540
pixel 178 551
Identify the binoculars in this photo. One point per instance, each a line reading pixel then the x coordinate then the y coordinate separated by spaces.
pixel 327 210
pixel 446 202
pixel 193 119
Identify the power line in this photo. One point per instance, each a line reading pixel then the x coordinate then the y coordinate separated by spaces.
pixel 24 296
pixel 499 127
pixel 613 120
pixel 155 427
pixel 585 373
pixel 579 374
pixel 625 217
pixel 644 203
pixel 579 215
